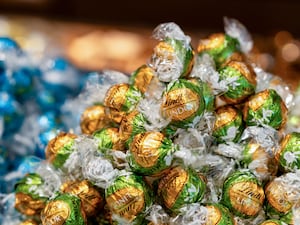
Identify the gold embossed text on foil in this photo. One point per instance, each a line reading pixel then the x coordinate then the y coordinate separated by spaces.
pixel 180 104
pixel 247 198
pixel 55 213
pixel 127 202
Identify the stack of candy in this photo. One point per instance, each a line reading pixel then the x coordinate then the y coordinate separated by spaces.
pixel 32 93
pixel 192 137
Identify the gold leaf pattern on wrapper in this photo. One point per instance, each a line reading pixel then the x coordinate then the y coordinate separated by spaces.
pixel 246 197
pixel 214 215
pixel 93 118
pixel 144 148
pixel 116 96
pixel 277 197
pixel 89 196
pixel 214 41
pixel 171 185
pixel 180 104
pixel 127 202
pixel 27 205
pixel 55 213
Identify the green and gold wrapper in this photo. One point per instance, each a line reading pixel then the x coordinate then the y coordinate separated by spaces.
pixel 180 187
pixel 122 97
pixel 288 155
pixel 171 53
pixel 183 102
pixel 265 165
pixel 127 198
pixel 65 209
pixel 265 108
pixel 142 77
pixel 59 149
pixel 218 214
pixel 243 194
pixel 132 124
pixel 272 222
pixel 109 138
pixel 219 46
pixel 93 118
pixel 29 201
pixel 228 125
pixel 114 115
pixel 244 83
pixel 150 153
pixel 90 197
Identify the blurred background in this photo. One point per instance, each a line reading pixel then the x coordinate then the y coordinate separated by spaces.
pixel 97 34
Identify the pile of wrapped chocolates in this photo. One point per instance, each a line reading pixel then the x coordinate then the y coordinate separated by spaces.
pixel 191 137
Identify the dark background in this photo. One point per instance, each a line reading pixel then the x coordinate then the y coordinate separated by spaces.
pixel 261 16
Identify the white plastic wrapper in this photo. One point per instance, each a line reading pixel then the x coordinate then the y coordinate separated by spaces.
pixel 192 214
pixel 261 217
pixel 237 30
pixel 157 215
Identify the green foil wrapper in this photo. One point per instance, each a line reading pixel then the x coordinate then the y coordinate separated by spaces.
pixel 243 194
pixel 127 198
pixel 265 108
pixel 150 153
pixel 288 155
pixel 59 149
pixel 122 97
pixel 219 46
pixel 228 124
pixel 108 138
pixel 180 187
pixel 131 125
pixel 28 200
pixel 244 81
pixel 65 209
pixel 218 215
pixel 183 103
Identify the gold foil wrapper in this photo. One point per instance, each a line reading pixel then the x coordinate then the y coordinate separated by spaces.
pixel 114 135
pixel 283 145
pixel 246 197
pixel 90 197
pixel 57 143
pixel 214 215
pixel 55 213
pixel 277 197
pixel 127 202
pixel 259 100
pixel 171 185
pixel 93 118
pixel 27 205
pixel 245 69
pixel 224 115
pixel 114 115
pixel 143 78
pixel 164 50
pixel 214 41
pixel 145 148
pixel 180 104
pixel 126 127
pixel 29 222
pixel 116 96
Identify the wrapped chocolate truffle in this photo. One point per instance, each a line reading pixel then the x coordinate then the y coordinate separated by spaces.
pixel 217 214
pixel 173 56
pixel 93 118
pixel 182 103
pixel 288 155
pixel 122 97
pixel 150 153
pixel 243 194
pixel 128 198
pixel 228 124
pixel 90 197
pixel 272 222
pixel 180 187
pixel 142 77
pixel 109 138
pixel 65 209
pixel 29 198
pixel 59 149
pixel 244 81
pixel 265 108
pixel 219 46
